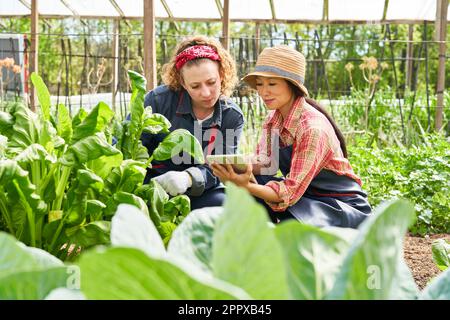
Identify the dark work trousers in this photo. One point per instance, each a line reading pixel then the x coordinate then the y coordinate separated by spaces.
pixel 329 200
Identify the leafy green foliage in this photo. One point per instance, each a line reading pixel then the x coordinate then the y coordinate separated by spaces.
pixel 441 253
pixel 419 174
pixel 28 273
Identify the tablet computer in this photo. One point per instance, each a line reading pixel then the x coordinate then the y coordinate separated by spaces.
pixel 238 161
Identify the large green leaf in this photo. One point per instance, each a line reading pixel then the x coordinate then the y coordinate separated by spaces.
pixel 127 273
pixel 156 197
pixel 313 258
pixel 89 235
pixel 130 227
pixel 87 149
pixel 178 206
pixel 32 153
pixel 27 273
pixel 129 198
pixel 371 265
pixel 192 240
pixel 6 122
pixel 43 95
pixel 96 121
pixel 441 253
pixel 65 294
pixel 138 89
pixel 403 285
pixel 79 117
pixel 3 146
pixel 64 126
pixel 104 165
pixel 155 123
pixel 439 288
pixel 127 177
pixel 246 252
pixel 24 204
pixel 176 142
pixel 25 130
pixel 33 284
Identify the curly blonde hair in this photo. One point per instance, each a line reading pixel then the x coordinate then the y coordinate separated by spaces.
pixel 171 76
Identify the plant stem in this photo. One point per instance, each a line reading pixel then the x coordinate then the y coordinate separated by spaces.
pixel 29 212
pixel 4 210
pixel 61 187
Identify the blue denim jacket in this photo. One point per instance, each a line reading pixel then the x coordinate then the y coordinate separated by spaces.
pixel 227 120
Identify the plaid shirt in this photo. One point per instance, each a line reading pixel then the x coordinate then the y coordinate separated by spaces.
pixel 315 147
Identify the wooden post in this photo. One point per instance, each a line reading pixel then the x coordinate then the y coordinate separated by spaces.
pixel 441 33
pixel 258 38
pixel 33 62
pixel 226 25
pixel 409 56
pixel 115 62
pixel 149 44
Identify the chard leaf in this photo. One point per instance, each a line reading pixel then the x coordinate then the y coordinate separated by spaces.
pixel 166 229
pixel 246 250
pixel 104 275
pixel 43 95
pixel 96 121
pixel 28 273
pixel 130 227
pixel 176 142
pixel 87 149
pixel 3 146
pixel 32 153
pixel 441 253
pixel 6 122
pixel 179 205
pixel 95 208
pixel 79 117
pixel 89 235
pixel 104 165
pixel 313 257
pixel 155 123
pixel 156 197
pixel 88 179
pixel 138 89
pixel 65 294
pixel 25 130
pixel 64 126
pixel 439 288
pixel 129 198
pixel 21 196
pixel 192 239
pixel 370 267
pixel 127 177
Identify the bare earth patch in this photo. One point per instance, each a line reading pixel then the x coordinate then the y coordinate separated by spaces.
pixel 419 258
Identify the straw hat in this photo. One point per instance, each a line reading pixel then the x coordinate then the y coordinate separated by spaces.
pixel 280 62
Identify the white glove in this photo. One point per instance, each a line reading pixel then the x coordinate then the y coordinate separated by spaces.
pixel 174 182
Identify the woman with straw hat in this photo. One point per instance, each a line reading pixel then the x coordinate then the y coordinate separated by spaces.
pixel 199 79
pixel 300 139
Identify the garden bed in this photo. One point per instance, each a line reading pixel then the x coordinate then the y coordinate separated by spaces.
pixel 419 258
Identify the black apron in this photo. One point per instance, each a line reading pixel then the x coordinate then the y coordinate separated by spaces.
pixel 329 200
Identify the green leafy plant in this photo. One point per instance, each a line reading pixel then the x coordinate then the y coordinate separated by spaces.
pixel 441 253
pixel 62 179
pixel 209 257
pixel 419 174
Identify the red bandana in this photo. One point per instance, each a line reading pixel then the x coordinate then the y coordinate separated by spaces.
pixel 195 52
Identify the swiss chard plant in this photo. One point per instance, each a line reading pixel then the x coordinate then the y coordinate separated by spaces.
pixel 232 252
pixel 61 179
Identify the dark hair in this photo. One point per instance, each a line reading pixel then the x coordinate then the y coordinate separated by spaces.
pixel 318 107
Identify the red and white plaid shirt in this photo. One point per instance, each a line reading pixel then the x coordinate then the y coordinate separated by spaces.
pixel 315 146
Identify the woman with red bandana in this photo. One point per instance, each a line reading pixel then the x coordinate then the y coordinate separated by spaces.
pixel 198 81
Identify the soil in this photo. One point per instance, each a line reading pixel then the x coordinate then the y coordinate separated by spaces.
pixel 419 258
